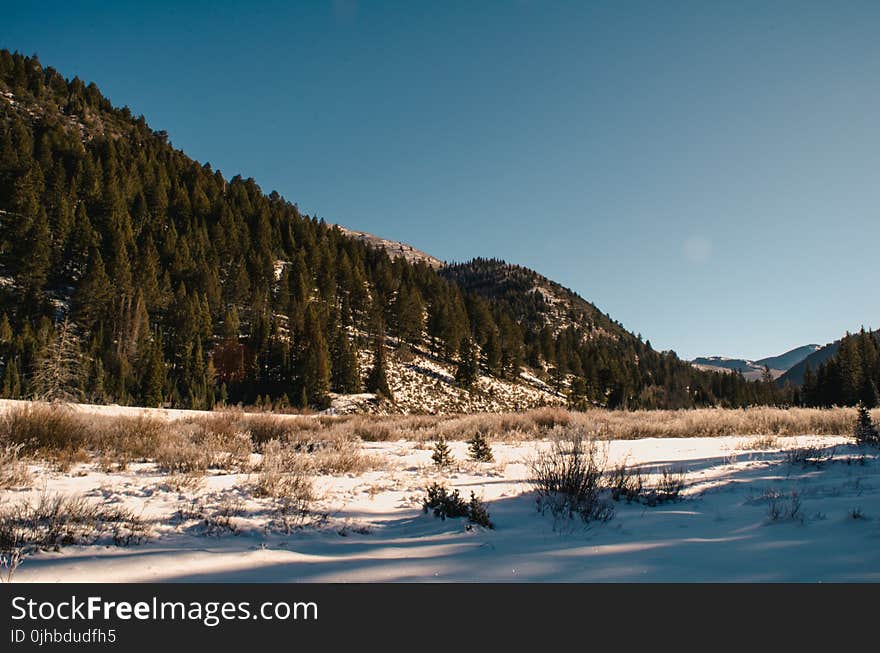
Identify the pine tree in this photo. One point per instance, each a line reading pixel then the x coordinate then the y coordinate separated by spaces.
pixel 155 377
pixel 468 369
pixel 346 375
pixel 11 388
pixel 377 381
pixel 492 351
pixel 479 448
pixel 442 455
pixel 5 330
pixel 865 431
pixel 316 362
pixel 868 392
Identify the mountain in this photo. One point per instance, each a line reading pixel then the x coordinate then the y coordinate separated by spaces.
pixel 754 370
pixel 535 300
pixel 789 359
pixel 131 273
pixel 795 374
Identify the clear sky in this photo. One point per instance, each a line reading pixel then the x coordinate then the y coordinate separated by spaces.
pixel 706 172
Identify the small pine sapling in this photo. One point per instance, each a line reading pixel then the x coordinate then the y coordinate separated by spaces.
pixel 865 431
pixel 442 455
pixel 480 449
pixel 478 513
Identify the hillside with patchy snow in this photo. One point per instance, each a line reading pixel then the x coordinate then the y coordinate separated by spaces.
pixel 422 384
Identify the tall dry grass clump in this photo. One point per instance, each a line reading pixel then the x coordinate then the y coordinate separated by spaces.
pixel 45 429
pixel 13 469
pixel 52 521
pixel 568 478
pixel 285 475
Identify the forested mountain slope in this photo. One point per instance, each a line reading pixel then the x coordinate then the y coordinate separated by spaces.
pixel 131 273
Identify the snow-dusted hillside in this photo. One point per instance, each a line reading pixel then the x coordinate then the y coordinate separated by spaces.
pixel 394 248
pixel 422 384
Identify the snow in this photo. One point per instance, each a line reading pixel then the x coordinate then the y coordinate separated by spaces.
pixel 375 529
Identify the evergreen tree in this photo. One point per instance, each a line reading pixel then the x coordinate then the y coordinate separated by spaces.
pixel 492 351
pixel 377 381
pixel 468 369
pixel 480 449
pixel 865 431
pixel 442 455
pixel 316 365
pixel 346 374
pixel 155 377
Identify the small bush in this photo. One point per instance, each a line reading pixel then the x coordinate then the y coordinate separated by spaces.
pixel 183 482
pixel 220 521
pixel 479 448
pixel 668 487
pixel 478 513
pixel 626 483
pixel 783 506
pixel 568 478
pixel 181 456
pixel 811 455
pixel 856 514
pixel 443 503
pixel 284 476
pixel 9 561
pixel 761 443
pixel 347 459
pixel 126 439
pixel 263 429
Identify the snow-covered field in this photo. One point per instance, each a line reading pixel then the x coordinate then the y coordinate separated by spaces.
pixel 372 526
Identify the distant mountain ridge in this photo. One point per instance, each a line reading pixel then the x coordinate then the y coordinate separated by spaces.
pixel 754 369
pixel 789 359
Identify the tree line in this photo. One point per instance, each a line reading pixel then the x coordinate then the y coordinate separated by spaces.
pixel 849 377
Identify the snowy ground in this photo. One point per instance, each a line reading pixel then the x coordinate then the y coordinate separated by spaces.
pixel 375 530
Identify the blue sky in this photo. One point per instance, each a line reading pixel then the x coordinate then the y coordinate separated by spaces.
pixel 705 172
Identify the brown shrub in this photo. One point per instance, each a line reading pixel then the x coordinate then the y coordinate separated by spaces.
pixel 44 429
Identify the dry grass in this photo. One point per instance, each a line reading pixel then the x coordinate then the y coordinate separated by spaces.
pixel 54 520
pixel 13 470
pixel 183 482
pixel 760 443
pixel 283 474
pixel 617 425
pixel 44 429
pixel 225 440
